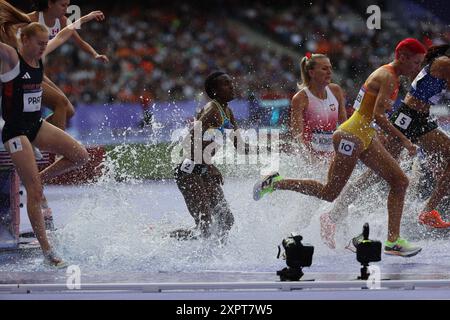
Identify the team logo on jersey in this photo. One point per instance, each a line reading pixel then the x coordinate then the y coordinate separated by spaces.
pixel 332 107
pixel 26 76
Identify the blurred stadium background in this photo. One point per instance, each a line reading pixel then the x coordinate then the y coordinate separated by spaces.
pixel 160 53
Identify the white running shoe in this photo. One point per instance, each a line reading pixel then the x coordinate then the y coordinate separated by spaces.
pixel 37 154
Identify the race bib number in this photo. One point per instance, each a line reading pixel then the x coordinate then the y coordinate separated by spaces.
pixel 322 142
pixel 32 101
pixel 346 147
pixel 15 145
pixel 187 166
pixel 359 99
pixel 403 121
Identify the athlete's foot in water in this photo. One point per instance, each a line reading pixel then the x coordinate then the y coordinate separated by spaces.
pixel 265 186
pixel 433 219
pixel 53 260
pixel 327 230
pixel 183 234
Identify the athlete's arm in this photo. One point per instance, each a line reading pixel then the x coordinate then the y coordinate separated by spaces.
pixel 339 94
pixel 384 103
pixel 441 68
pixel 34 16
pixel 83 45
pixel 69 30
pixel 299 104
pixel 8 58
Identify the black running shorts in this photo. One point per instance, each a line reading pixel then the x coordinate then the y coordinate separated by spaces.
pixel 11 131
pixel 411 123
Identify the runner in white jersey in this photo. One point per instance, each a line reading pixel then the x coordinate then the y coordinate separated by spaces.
pixel 317 108
pixel 52 31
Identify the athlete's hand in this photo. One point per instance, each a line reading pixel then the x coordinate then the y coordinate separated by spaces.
pixel 412 149
pixel 94 15
pixel 101 57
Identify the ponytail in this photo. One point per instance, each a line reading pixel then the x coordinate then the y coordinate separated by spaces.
pixel 307 63
pixel 10 18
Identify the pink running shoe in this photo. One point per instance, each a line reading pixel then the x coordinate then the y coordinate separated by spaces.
pixel 327 230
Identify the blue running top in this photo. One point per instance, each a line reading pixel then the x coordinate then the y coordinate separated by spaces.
pixel 427 88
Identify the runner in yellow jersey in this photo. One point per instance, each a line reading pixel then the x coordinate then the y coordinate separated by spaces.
pixel 356 139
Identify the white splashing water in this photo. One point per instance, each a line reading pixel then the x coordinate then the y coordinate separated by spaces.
pixel 123 227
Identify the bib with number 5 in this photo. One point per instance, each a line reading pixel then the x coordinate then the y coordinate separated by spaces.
pixel 403 121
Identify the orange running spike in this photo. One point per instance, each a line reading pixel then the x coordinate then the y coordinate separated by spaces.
pixel 433 219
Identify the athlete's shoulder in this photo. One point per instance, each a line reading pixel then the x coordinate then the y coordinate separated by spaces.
pixel 442 63
pixel 385 75
pixel 300 97
pixel 335 88
pixel 9 55
pixel 209 114
pixel 208 109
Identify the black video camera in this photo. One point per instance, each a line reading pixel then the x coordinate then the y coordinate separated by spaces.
pixel 366 250
pixel 296 255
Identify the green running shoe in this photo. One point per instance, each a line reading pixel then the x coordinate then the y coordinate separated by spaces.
pixel 265 185
pixel 401 247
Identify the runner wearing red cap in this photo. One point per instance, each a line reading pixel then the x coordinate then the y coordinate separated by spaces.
pixel 412 118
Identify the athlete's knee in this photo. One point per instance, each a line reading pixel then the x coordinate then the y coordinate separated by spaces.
pixel 330 195
pixel 81 157
pixel 84 157
pixel 68 108
pixel 400 183
pixel 65 105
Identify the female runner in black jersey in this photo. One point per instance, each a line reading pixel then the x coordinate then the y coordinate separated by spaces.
pixel 21 73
